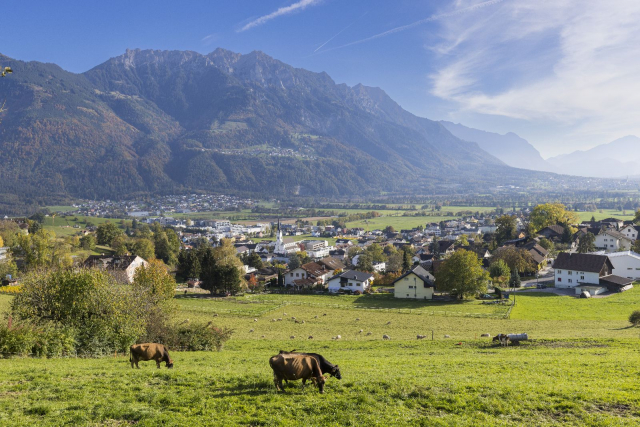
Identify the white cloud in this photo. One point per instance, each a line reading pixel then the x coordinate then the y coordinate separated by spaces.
pixel 285 10
pixel 568 63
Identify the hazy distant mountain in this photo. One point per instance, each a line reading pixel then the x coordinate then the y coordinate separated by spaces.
pixel 172 121
pixel 510 148
pixel 619 158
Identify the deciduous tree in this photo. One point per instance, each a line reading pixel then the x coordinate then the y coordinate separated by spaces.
pixel 462 274
pixel 587 243
pixel 548 214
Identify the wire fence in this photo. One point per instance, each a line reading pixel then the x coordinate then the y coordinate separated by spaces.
pixel 272 307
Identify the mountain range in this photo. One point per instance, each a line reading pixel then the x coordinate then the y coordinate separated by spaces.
pixel 616 159
pixel 153 121
pixel 510 148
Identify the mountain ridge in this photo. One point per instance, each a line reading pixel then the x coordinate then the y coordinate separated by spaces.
pixel 172 121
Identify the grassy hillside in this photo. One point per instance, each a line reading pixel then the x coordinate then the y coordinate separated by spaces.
pixel 579 368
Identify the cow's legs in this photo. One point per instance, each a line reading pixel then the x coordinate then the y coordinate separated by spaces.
pixel 158 364
pixel 277 382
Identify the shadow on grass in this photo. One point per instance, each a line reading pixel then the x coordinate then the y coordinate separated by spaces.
pixel 247 388
pixel 538 294
pixel 389 301
pixel 622 329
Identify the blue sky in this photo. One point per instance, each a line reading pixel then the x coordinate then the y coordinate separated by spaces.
pixel 562 74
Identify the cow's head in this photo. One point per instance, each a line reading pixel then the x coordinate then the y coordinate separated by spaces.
pixel 320 383
pixel 335 372
pixel 170 364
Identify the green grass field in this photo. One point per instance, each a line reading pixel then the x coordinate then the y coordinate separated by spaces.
pixel 579 368
pixel 607 213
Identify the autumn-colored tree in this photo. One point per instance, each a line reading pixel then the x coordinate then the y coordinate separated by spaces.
pixel 515 258
pixel 156 279
pixel 548 214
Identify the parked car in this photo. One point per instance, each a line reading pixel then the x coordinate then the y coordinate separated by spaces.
pixel 541 286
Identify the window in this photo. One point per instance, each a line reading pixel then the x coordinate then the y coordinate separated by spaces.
pixel 581 277
pixel 410 287
pixel 407 294
pixel 559 279
pixel 291 274
pixel 570 280
pixel 570 273
pixel 297 274
pixel 629 268
pixel 559 271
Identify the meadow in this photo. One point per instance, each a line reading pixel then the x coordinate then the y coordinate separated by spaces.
pixel 579 368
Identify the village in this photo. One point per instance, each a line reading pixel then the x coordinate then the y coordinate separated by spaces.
pixel 545 247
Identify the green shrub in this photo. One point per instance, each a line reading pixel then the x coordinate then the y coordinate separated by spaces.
pixel 25 340
pixel 200 337
pixel 634 318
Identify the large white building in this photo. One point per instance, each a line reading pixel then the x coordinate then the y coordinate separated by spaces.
pixel 625 264
pixel 588 272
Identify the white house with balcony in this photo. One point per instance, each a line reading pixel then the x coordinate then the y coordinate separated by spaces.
pixel 350 280
pixel 612 241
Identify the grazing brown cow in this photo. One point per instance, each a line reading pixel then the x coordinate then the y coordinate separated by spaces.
pixel 293 367
pixel 149 351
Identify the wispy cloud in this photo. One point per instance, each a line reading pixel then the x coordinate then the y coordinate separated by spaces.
pixel 286 10
pixel 547 62
pixel 207 40
pixel 339 32
pixel 418 23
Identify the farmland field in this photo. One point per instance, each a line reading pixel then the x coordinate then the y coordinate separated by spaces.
pixel 579 368
pixel 606 213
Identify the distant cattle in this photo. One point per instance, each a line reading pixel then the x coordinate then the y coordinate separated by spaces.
pixel 386 337
pixel 149 351
pixel 485 335
pixel 447 336
pixel 292 367
pixel 325 366
pixel 503 339
pixel 421 337
pixel 369 333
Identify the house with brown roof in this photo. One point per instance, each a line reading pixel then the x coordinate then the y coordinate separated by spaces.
pixel 610 240
pixel 311 270
pixel 588 272
pixel 552 232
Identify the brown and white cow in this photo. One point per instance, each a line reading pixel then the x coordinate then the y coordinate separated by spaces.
pixel 149 351
pixel 292 367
